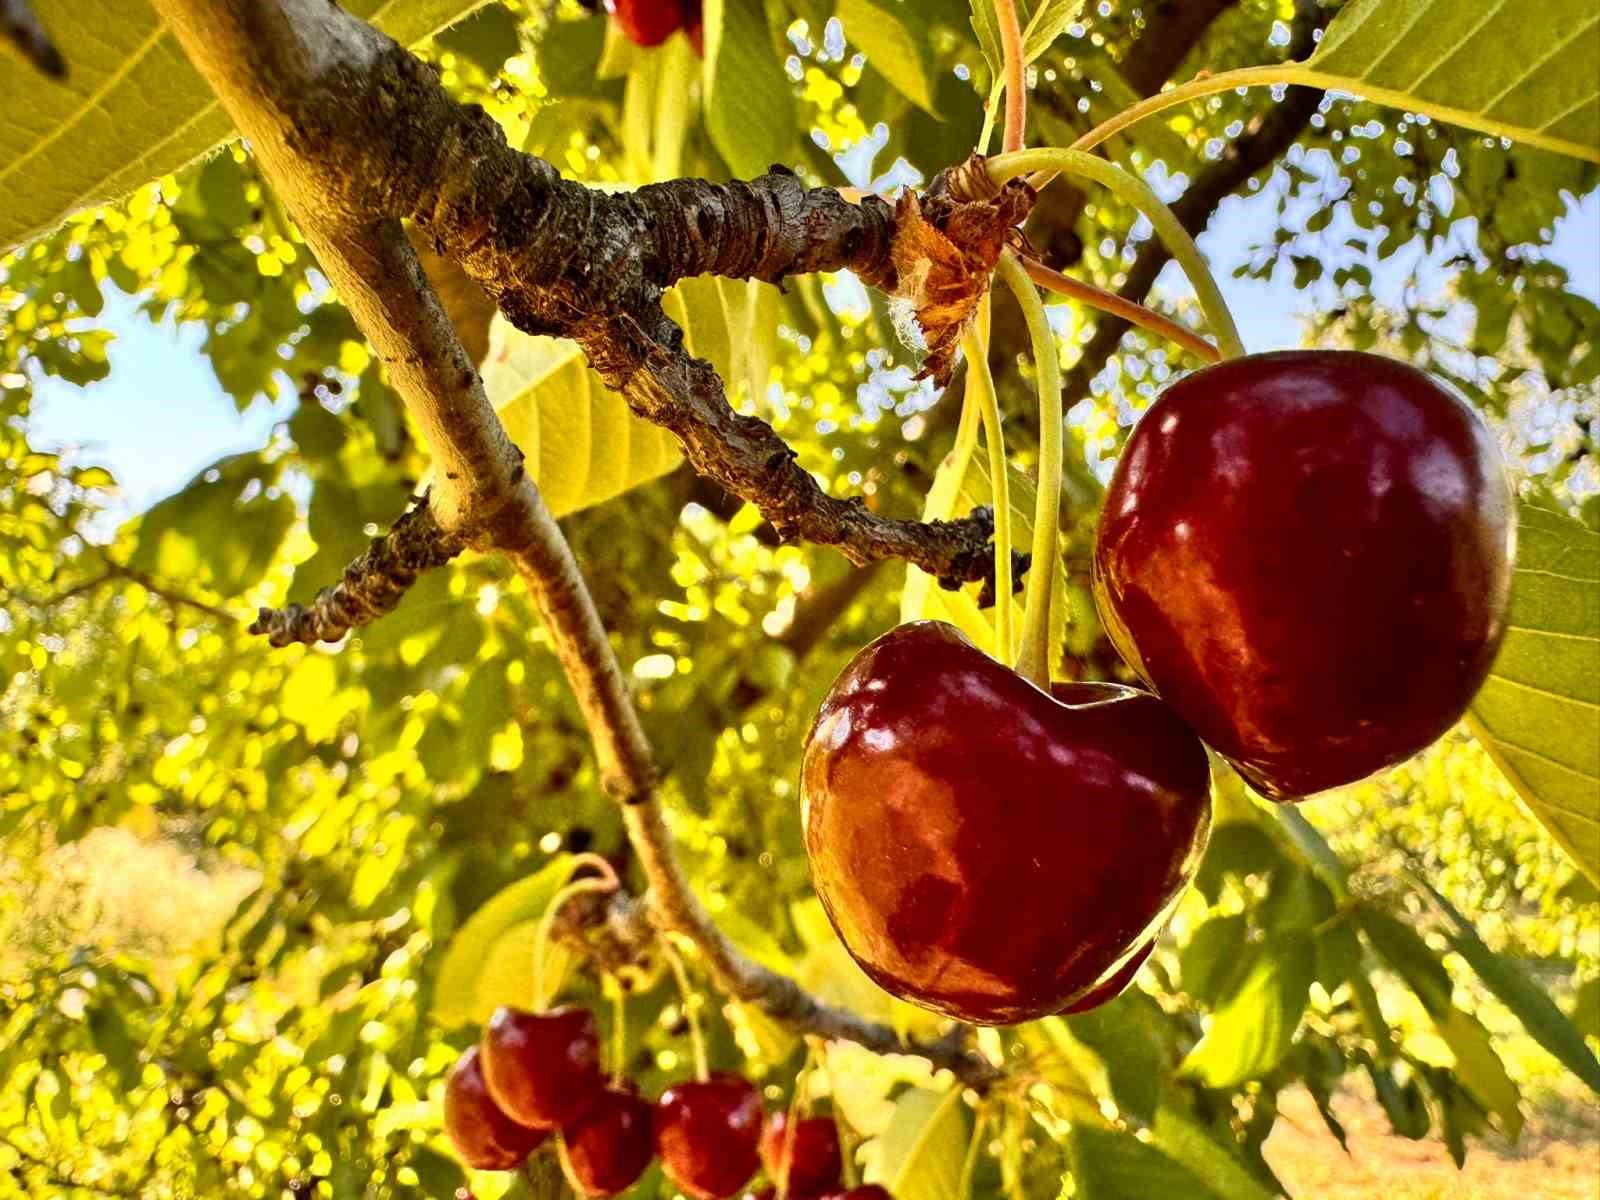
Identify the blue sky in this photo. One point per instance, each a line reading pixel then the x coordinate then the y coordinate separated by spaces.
pixel 161 416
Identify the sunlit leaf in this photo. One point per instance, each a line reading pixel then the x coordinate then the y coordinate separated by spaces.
pixel 1479 63
pixel 1538 715
pixel 1254 1028
pixel 919 1156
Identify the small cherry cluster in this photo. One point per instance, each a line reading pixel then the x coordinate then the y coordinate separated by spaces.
pixel 538 1075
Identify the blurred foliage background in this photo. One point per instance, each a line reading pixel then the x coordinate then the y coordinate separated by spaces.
pixel 230 876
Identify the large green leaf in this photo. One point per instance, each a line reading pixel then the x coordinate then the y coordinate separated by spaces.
pixel 919 1156
pixel 1479 1068
pixel 750 111
pixel 896 49
pixel 1255 1027
pixel 471 977
pixel 1531 1004
pixel 1111 1165
pixel 1538 715
pixel 1216 1166
pixel 583 444
pixel 131 108
pixel 1530 72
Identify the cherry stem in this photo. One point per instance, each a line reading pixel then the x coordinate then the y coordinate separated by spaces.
pixel 1109 302
pixel 1034 661
pixel 607 882
pixel 791 1131
pixel 619 1032
pixel 691 1011
pixel 980 388
pixel 1016 68
pixel 969 1165
pixel 1138 193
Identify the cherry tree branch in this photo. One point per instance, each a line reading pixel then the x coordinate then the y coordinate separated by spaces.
pixel 299 77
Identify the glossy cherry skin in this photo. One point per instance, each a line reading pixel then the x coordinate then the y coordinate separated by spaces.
pixel 984 849
pixel 482 1134
pixel 648 22
pixel 1114 985
pixel 707 1135
pixel 815 1164
pixel 542 1068
pixel 1309 555
pixel 611 1142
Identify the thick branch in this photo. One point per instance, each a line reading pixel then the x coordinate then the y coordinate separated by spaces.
pixel 300 77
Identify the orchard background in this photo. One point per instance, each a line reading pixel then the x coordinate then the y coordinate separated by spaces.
pixel 254 901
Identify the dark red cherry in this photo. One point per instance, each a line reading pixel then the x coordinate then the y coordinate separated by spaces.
pixel 611 1143
pixel 542 1068
pixel 694 25
pixel 1308 555
pixel 648 22
pixel 984 849
pixel 815 1164
pixel 482 1134
pixel 869 1191
pixel 707 1133
pixel 1114 984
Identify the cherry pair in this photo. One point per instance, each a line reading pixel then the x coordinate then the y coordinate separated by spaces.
pixel 1306 555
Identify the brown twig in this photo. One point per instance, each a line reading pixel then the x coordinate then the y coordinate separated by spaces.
pixel 1109 302
pixel 372 585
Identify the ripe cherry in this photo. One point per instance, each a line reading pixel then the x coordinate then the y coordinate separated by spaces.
pixel 1308 555
pixel 610 1144
pixel 648 22
pixel 985 849
pixel 1114 984
pixel 815 1164
pixel 482 1134
pixel 707 1133
pixel 542 1068
pixel 867 1191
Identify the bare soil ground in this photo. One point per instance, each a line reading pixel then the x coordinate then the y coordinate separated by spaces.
pixel 1557 1157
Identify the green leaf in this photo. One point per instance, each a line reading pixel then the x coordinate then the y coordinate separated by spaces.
pixel 1111 1165
pixel 1128 1036
pixel 919 1156
pixel 1408 955
pixel 583 444
pixel 488 37
pixel 466 959
pixel 1530 74
pixel 895 49
pixel 1213 1164
pixel 741 64
pixel 131 108
pixel 1255 1027
pixel 1042 22
pixel 225 527
pixel 1529 1002
pixel 958 487
pixel 1479 1068
pixel 1538 716
pixel 1210 960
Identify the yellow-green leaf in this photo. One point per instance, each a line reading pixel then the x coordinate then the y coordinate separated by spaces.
pixel 960 485
pixel 482 955
pixel 1538 715
pixel 1530 72
pixel 891 46
pixel 131 108
pixel 919 1156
